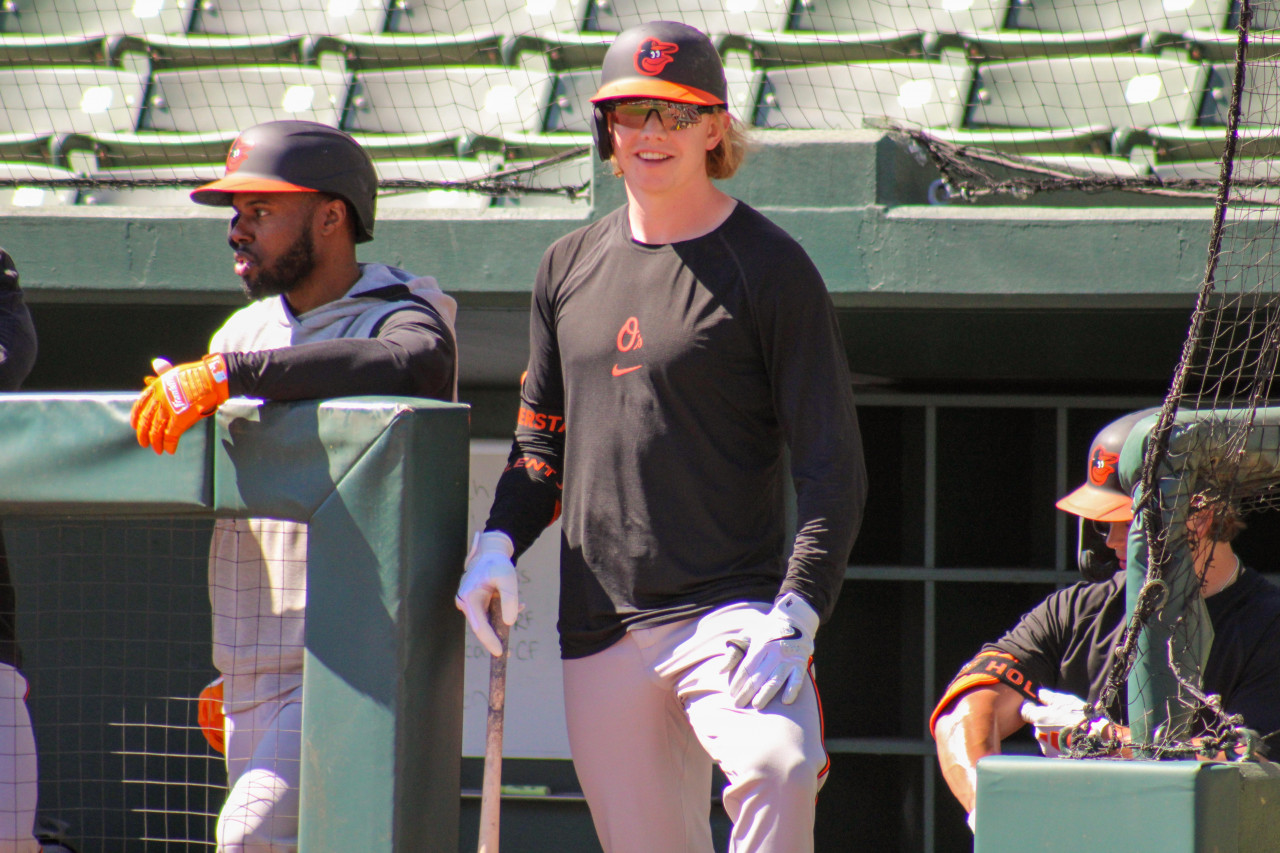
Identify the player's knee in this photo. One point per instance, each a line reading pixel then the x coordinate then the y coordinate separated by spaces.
pixel 784 766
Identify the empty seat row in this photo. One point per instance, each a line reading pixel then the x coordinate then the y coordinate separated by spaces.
pixel 516 17
pixel 189 116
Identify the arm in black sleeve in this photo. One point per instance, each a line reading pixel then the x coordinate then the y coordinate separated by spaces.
pixel 413 354
pixel 813 398
pixel 527 498
pixel 17 332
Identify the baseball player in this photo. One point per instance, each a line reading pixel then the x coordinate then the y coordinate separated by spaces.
pixel 678 347
pixel 321 325
pixel 18 781
pixel 1058 655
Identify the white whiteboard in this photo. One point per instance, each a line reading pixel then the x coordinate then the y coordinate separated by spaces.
pixel 534 725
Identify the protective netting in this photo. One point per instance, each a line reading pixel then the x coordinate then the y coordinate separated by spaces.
pixel 1213 456
pixel 480 103
pixel 112 619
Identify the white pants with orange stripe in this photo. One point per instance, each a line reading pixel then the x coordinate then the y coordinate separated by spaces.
pixel 18 776
pixel 263 769
pixel 648 715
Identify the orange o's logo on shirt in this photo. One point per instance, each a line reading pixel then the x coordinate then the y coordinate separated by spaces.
pixel 629 336
pixel 1102 465
pixel 654 55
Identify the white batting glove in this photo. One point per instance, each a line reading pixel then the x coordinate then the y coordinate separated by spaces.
pixel 1060 711
pixel 489 572
pixel 773 655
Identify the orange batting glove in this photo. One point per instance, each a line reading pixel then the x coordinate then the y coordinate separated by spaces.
pixel 209 713
pixel 176 399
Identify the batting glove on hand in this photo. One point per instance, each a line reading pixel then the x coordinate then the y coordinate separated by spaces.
pixel 1060 711
pixel 176 399
pixel 773 655
pixel 489 572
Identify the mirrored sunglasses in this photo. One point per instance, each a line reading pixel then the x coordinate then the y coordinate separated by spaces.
pixel 673 115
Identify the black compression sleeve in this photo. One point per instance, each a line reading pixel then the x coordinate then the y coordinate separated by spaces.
pixel 527 498
pixel 413 355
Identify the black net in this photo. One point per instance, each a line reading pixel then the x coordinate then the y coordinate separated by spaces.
pixel 113 626
pixel 1214 454
pixel 484 103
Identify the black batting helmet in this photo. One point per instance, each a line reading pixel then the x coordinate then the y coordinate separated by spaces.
pixel 298 156
pixel 666 60
pixel 1102 496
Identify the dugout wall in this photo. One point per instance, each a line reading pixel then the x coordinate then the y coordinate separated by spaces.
pixel 381 483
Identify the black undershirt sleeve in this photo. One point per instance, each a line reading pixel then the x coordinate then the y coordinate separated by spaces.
pixel 527 497
pixel 413 354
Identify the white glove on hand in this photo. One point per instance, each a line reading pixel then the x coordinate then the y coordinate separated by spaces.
pixel 489 572
pixel 1059 711
pixel 773 655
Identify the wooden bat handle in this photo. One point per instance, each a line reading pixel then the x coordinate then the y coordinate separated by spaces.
pixel 491 787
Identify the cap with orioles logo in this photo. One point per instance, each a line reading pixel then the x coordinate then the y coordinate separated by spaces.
pixel 1103 497
pixel 665 60
pixel 298 156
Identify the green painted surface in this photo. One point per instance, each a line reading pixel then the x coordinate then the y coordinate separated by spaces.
pixel 1064 806
pixel 855 200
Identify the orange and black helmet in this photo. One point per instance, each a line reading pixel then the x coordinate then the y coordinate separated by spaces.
pixel 1102 496
pixel 298 156
pixel 665 60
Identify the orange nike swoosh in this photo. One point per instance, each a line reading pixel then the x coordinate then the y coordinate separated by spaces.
pixel 623 371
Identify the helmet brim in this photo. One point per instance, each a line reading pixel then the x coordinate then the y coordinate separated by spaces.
pixel 1097 504
pixel 218 193
pixel 652 87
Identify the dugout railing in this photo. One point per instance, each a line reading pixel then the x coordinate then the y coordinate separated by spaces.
pixel 381 482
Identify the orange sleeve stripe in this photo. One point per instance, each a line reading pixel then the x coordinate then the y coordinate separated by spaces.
pixel 986 668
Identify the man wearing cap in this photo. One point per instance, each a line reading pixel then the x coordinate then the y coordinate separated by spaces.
pixel 1057 657
pixel 678 347
pixel 320 325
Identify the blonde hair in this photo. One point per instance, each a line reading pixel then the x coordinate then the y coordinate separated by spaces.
pixel 726 158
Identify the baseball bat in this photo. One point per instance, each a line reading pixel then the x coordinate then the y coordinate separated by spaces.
pixel 491 787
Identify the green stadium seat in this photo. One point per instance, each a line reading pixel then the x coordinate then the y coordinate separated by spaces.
pixel 1174 143
pixel 506 17
pixel 1088 16
pixel 193 115
pixel 94 17
pixel 570 109
pixel 475 107
pixel 770 50
pixel 874 16
pixel 147 196
pixel 288 17
pixel 168 52
pixel 1212 46
pixel 1029 44
pixel 1121 91
pixel 38 106
pixel 920 93
pixel 1209 172
pixel 714 17
pixel 451 169
pixel 378 51
pixel 33 195
pixel 205 100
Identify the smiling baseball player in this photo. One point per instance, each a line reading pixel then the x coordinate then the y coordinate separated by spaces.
pixel 678 347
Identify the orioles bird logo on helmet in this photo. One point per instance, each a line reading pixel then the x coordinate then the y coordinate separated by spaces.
pixel 654 55
pixel 1102 465
pixel 239 151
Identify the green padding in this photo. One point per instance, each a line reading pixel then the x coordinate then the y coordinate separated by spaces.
pixel 1068 806
pixel 66 453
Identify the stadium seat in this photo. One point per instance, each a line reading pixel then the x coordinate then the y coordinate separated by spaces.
pixel 372 52
pixel 477 107
pixel 147 196
pixel 288 17
pixel 570 109
pixel 93 17
pixel 40 105
pixel 192 115
pixel 450 169
pixel 1087 16
pixel 769 50
pixel 34 195
pixel 926 94
pixel 874 16
pixel 714 17
pixel 1209 172
pixel 506 17
pixel 1121 91
pixel 1212 46
pixel 228 99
